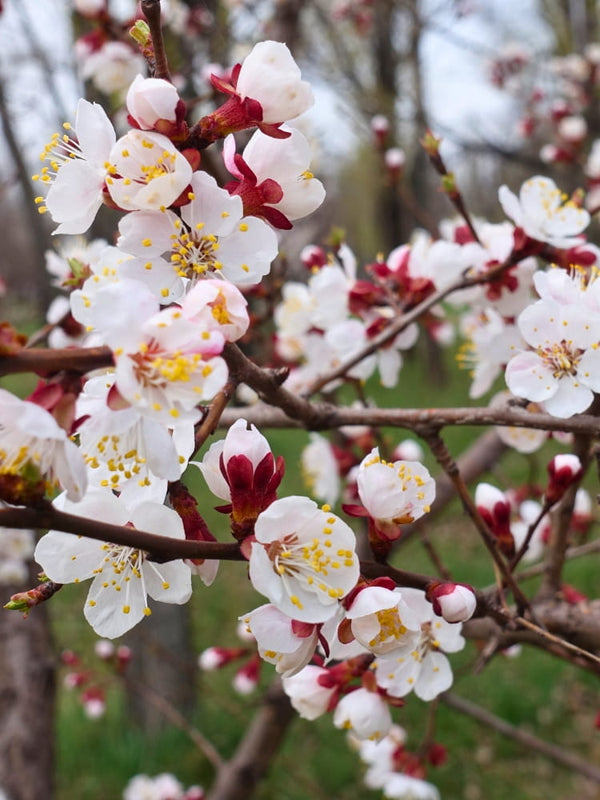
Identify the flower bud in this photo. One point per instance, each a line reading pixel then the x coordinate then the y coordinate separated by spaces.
pixel 380 127
pixel 564 470
pixel 455 602
pixel 495 511
pixel 152 100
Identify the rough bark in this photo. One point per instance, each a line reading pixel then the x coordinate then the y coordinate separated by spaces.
pixel 163 665
pixel 27 687
pixel 239 777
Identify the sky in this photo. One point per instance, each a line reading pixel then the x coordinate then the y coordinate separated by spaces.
pixel 454 53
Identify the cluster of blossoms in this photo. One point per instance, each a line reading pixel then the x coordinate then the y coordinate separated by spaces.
pixel 554 106
pixel 166 300
pixel 169 299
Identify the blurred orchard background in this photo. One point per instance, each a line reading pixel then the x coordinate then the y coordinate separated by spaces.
pixel 511 86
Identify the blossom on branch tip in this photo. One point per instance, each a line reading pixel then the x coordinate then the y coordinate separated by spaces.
pixel 544 213
pixel 495 509
pixel 455 602
pixel 242 470
pixel 265 90
pixel 564 470
pixel 392 494
pixel 273 177
pixel 154 104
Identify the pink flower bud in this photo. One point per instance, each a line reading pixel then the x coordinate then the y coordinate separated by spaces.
pixel 313 257
pixel 564 470
pixel 455 602
pixel 104 649
pixel 150 100
pixel 394 161
pixel 246 678
pixel 124 656
pixel 495 510
pixel 380 126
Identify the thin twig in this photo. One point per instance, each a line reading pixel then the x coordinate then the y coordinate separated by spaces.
pixel 557 640
pixel 210 422
pixel 151 10
pixel 552 751
pixel 445 460
pixel 172 714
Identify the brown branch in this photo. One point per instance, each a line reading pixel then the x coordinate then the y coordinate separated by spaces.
pixel 557 640
pixel 162 548
pixel 283 409
pixel 169 711
pixel 151 10
pixel 445 460
pixel 238 778
pixel 324 416
pixel 46 361
pixel 552 751
pixel 211 421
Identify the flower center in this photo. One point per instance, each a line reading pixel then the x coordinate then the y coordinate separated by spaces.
pixel 193 254
pixel 390 627
pixel 154 367
pixel 562 358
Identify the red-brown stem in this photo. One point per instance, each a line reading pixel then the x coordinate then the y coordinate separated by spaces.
pixel 445 460
pixel 151 10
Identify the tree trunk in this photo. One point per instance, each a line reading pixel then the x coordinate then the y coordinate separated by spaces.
pixel 162 664
pixel 27 690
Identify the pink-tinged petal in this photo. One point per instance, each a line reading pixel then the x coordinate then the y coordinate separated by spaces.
pixel 212 208
pixel 272 629
pixel 246 254
pixel 161 453
pixel 69 468
pixel 282 517
pixel 229 151
pixel 528 376
pixel 398 673
pixel 159 519
pixel 262 576
pixel 448 635
pixel 147 234
pixel 206 571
